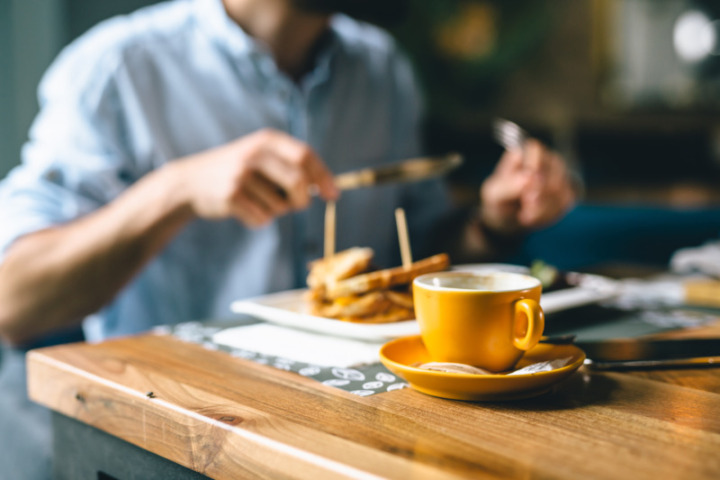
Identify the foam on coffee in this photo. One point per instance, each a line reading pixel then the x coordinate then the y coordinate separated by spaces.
pixel 493 281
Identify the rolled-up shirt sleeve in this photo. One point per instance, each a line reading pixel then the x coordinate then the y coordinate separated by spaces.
pixel 75 159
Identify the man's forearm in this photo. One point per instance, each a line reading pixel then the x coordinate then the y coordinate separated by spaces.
pixel 55 277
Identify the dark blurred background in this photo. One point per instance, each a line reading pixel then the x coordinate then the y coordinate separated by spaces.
pixel 627 90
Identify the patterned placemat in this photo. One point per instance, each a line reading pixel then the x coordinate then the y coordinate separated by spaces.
pixel 363 381
pixel 588 323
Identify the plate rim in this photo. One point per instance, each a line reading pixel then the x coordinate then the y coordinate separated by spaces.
pixel 260 308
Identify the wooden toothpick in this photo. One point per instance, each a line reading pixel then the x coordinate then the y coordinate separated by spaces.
pixel 329 229
pixel 405 252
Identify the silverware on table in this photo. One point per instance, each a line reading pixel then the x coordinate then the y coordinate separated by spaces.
pixel 559 339
pixel 628 353
pixel 411 170
pixel 694 362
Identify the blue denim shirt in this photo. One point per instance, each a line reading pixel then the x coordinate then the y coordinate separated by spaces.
pixel 177 78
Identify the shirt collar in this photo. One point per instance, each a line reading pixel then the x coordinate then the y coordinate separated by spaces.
pixel 215 23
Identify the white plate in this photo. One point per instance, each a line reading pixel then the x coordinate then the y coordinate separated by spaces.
pixel 290 309
pixel 565 299
pixel 491 267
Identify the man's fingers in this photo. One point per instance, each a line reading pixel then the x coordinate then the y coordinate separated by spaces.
pixel 287 178
pixel 267 195
pixel 511 161
pixel 536 210
pixel 535 156
pixel 540 207
pixel 247 210
pixel 510 187
pixel 555 181
pixel 301 157
pixel 529 188
pixel 322 177
pixel 256 178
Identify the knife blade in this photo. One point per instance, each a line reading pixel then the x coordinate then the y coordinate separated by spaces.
pixel 644 353
pixel 411 170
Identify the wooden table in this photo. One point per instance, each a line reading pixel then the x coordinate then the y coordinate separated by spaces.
pixel 226 417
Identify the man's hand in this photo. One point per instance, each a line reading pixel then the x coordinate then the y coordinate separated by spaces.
pixel 529 189
pixel 255 178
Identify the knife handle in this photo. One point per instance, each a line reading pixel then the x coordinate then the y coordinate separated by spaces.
pixel 696 362
pixel 355 179
pixel 348 181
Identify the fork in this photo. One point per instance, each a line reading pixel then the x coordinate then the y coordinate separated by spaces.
pixel 509 134
pixel 512 136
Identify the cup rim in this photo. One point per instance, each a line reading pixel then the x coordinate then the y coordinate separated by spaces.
pixel 422 281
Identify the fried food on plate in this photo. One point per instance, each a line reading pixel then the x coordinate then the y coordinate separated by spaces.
pixel 342 287
pixel 345 264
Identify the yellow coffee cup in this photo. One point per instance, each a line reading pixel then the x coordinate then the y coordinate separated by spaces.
pixel 484 319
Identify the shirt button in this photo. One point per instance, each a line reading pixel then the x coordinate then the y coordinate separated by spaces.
pixel 54 175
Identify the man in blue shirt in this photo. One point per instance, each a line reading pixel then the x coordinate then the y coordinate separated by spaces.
pixel 169 169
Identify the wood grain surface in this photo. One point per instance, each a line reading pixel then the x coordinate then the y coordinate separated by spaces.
pixel 227 417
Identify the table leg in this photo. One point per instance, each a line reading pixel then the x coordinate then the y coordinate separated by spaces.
pixel 82 452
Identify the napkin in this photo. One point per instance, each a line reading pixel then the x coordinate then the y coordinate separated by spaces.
pixel 545 366
pixel 450 367
pixel 704 259
pixel 636 293
pixel 301 346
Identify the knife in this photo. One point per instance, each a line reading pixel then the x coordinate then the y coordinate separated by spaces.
pixel 695 362
pixel 411 170
pixel 641 353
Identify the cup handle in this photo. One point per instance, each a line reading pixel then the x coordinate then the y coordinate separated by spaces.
pixel 527 334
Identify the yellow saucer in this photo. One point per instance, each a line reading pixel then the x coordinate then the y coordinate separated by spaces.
pixel 400 355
